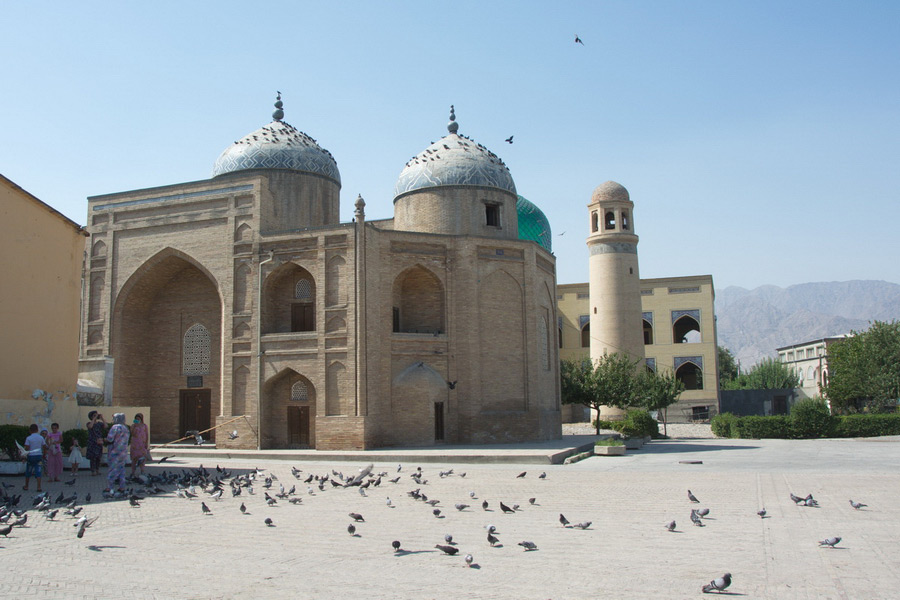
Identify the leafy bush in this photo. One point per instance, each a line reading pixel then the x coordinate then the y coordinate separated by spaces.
pixel 599 424
pixel 609 442
pixel 80 434
pixel 721 424
pixel 756 427
pixel 9 435
pixel 811 418
pixel 868 425
pixel 638 423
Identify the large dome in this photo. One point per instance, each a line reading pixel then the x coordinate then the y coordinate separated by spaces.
pixel 533 224
pixel 454 160
pixel 277 145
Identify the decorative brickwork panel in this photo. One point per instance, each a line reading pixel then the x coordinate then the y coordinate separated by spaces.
pixel 242 288
pixel 97 286
pixel 239 391
pixel 335 284
pixel 501 322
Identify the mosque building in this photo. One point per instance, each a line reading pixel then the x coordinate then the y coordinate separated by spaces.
pixel 244 299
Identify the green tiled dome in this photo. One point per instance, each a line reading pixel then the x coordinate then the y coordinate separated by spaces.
pixel 533 224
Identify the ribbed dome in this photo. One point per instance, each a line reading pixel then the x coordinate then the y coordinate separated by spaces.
pixel 277 145
pixel 454 160
pixel 533 224
pixel 610 191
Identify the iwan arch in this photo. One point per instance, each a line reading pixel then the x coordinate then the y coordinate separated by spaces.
pixel 244 295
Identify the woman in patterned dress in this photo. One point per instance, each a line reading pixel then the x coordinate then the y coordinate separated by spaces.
pixel 95 428
pixel 117 453
pixel 140 444
pixel 54 453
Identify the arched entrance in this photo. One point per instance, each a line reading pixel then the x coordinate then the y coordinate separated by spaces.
pixel 167 345
pixel 288 411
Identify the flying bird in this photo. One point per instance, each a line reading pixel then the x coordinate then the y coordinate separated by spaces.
pixel 233 435
pixel 718 584
pixel 83 523
pixel 830 542
pixel 578 40
pixel 509 140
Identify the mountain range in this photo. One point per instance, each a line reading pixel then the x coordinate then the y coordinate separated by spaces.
pixel 753 323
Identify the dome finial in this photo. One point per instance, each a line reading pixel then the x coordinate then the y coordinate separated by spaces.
pixel 278 114
pixel 452 126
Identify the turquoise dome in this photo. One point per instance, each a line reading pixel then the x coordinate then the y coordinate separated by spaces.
pixel 533 224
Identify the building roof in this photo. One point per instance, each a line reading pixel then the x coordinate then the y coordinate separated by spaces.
pixel 610 191
pixel 14 186
pixel 278 145
pixel 454 160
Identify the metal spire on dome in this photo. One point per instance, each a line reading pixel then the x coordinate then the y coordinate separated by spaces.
pixel 452 126
pixel 278 114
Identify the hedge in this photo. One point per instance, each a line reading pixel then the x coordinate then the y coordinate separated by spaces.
pixel 81 434
pixel 9 435
pixel 809 422
pixel 637 423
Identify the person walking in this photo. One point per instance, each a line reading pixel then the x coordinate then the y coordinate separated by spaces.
pixel 140 444
pixel 118 452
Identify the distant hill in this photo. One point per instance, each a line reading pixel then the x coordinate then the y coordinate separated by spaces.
pixel 752 323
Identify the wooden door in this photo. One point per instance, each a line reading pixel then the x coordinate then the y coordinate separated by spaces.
pixel 298 426
pixel 438 421
pixel 195 412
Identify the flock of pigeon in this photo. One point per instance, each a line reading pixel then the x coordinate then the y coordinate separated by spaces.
pixel 211 487
pixel 698 514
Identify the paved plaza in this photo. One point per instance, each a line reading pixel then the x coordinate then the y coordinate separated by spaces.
pixel 167 548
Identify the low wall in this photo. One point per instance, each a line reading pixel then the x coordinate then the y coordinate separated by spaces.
pixel 67 413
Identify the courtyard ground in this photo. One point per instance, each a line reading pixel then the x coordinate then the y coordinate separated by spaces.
pixel 168 548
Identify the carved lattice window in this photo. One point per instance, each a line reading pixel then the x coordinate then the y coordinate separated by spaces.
pixel 196 350
pixel 299 392
pixel 303 291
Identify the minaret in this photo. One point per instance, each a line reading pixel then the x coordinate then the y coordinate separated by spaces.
pixel 615 285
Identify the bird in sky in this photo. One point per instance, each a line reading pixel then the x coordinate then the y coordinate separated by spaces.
pixel 578 40
pixel 718 584
pixel 509 140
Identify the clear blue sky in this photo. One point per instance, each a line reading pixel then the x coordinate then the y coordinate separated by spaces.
pixel 760 141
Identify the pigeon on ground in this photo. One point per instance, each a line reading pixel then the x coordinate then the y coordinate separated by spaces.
pixel 205 508
pixel 796 499
pixel 528 546
pixel 492 539
pixel 71 481
pixel 216 495
pixel 448 538
pixel 521 475
pixel 718 584
pixel 695 519
pixel 491 529
pixel 484 505
pixel 506 509
pixel 460 506
pixel 243 508
pixel 52 514
pixel 857 505
pixel 450 550
pixel 563 520
pixel 670 525
pixel 396 545
pixel 5 531
pixel 357 517
pixel 472 496
pixel 531 501
pixel 543 475
pixel 692 497
pixel 436 512
pixel 351 529
pixel 584 525
pixel 469 560
pixel 388 503
pixel 133 502
pixel 269 522
pixel 761 513
pixel 830 542
pixel 703 512
pixel 296 500
pixel 20 522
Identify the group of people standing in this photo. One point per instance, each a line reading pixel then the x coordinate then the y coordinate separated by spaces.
pixel 44 450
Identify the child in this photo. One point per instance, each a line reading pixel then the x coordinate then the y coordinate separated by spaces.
pixel 34 444
pixel 75 456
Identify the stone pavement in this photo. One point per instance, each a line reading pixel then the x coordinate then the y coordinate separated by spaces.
pixel 167 548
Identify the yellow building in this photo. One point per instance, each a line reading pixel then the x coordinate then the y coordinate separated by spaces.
pixel 39 296
pixel 679 327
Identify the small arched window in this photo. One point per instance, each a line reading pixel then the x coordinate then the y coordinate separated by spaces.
pixel 586 336
pixel 690 375
pixel 626 225
pixel 196 350
pixel 648 333
pixel 610 219
pixel 595 225
pixel 299 393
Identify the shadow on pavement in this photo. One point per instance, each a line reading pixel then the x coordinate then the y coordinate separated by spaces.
pixel 680 447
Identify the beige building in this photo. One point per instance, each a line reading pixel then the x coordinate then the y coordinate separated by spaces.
pixel 810 361
pixel 39 296
pixel 244 298
pixel 679 335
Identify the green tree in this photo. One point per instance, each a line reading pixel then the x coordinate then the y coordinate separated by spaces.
pixel 728 368
pixel 612 380
pixel 767 374
pixel 658 392
pixel 864 370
